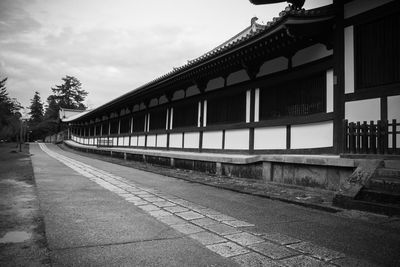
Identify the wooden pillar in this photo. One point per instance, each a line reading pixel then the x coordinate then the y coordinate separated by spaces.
pixel 338 79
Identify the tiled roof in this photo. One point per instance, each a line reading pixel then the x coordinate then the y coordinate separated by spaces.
pixel 247 34
pixel 254 31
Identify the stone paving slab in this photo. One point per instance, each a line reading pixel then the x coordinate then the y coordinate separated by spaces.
pixel 171 220
pixel 305 261
pixel 316 251
pixel 175 209
pixel 281 238
pixel 227 249
pixel 207 238
pixel 273 251
pixel 189 215
pixel 237 223
pixel 163 203
pixel 221 229
pixel 187 228
pixel 204 221
pixel 244 239
pixel 221 217
pixel 253 259
pixel 149 207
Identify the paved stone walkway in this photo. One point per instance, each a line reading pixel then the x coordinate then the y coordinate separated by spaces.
pixel 218 232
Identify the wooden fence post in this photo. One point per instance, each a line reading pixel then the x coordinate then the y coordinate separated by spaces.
pixel 394 136
pixel 364 133
pixel 345 135
pixel 372 140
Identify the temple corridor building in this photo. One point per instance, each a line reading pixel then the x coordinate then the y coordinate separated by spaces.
pixel 321 82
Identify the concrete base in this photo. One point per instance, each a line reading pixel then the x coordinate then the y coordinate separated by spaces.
pixel 321 171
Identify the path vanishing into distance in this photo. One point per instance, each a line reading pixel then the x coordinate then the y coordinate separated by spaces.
pixel 103 214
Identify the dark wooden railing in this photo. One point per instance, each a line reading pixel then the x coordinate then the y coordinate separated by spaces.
pixel 371 138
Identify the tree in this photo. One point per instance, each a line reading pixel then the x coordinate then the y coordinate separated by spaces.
pixel 9 113
pixel 36 109
pixel 70 94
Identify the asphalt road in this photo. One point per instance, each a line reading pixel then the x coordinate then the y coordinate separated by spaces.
pixel 99 213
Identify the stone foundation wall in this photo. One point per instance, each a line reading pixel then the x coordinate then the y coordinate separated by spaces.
pixel 318 175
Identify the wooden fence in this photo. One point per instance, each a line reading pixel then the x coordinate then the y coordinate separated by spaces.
pixel 371 138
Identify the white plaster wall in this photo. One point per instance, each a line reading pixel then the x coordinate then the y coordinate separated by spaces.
pixel 312 135
pixel 257 104
pixel 212 140
pixel 248 96
pixel 178 95
pixel 394 107
pixel 359 6
pixel 237 77
pixel 114 141
pixel 141 140
pixel 329 90
pixel 162 140
pixel 191 140
pixel 349 60
pixel 363 110
pixel 151 140
pixel 126 141
pixel 394 113
pixel 270 138
pixel 237 139
pixel 215 84
pixel 273 65
pixel 310 54
pixel 175 140
pixel 192 90
pixel 134 140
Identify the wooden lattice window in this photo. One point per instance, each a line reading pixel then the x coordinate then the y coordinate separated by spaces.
pixel 377 52
pixel 229 108
pixel 294 98
pixel 185 115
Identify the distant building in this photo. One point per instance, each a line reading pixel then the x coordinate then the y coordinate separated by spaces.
pixel 286 87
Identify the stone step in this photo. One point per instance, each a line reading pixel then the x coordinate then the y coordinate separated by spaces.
pixel 392 164
pixel 388 184
pixel 388 172
pixel 379 196
pixel 376 207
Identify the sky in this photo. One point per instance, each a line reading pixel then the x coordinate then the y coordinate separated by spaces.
pixel 112 46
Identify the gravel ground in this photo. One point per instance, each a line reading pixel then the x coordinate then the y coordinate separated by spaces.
pixel 22 231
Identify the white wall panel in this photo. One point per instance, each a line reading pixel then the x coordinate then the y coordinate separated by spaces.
pixel 312 135
pixel 162 140
pixel 394 107
pixel 141 140
pixel 215 84
pixel 175 140
pixel 360 6
pixel 126 141
pixel 212 140
pixel 363 110
pixel 273 65
pixel 310 54
pixel 349 60
pixel 151 140
pixel 134 140
pixel 191 140
pixel 237 139
pixel 237 77
pixel 329 90
pixel 270 138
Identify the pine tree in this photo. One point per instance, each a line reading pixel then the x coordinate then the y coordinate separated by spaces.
pixel 9 113
pixel 70 94
pixel 36 109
